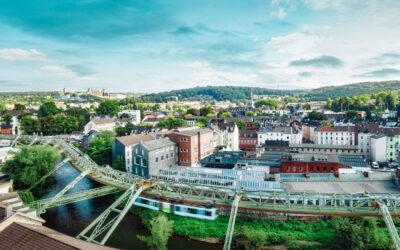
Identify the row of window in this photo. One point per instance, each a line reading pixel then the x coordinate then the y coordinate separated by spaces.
pixel 166 157
pixel 184 160
pixel 311 169
pixel 325 150
pixel 248 142
pixel 182 139
pixel 183 150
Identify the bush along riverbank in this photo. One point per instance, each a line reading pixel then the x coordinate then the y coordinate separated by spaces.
pixel 330 232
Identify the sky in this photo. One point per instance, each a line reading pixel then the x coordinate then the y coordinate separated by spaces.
pixel 158 45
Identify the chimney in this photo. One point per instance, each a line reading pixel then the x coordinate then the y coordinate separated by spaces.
pixel 8 211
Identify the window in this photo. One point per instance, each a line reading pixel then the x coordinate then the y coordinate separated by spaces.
pixel 162 157
pixel 156 159
pixel 300 168
pixel 311 169
pixel 331 169
pixel 144 163
pixel 318 169
pixel 325 169
pixel 166 156
pixel 172 154
pixel 288 168
pixel 294 168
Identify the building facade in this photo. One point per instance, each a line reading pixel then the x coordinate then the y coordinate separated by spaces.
pixel 338 135
pixel 248 140
pixel 290 134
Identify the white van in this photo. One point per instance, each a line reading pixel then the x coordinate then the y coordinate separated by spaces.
pixel 374 164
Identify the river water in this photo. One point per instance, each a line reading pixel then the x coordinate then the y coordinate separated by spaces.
pixel 72 218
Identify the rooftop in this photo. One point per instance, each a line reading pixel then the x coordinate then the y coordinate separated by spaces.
pixel 329 146
pixel 135 139
pixel 158 143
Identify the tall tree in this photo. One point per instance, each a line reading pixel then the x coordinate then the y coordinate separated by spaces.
pixel 161 230
pixel 108 107
pixel 48 109
pixel 7 119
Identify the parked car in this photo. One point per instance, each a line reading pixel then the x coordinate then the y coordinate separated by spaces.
pixel 374 164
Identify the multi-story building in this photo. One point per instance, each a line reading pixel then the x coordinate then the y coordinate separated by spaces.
pixel 122 147
pixel 149 157
pixel 290 134
pixel 324 149
pixel 248 139
pixel 378 148
pixel 133 114
pixel 338 135
pixel 100 124
pixel 193 145
pixel 227 134
pixel 320 163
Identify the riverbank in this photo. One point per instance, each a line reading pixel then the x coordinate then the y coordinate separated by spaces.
pixel 292 234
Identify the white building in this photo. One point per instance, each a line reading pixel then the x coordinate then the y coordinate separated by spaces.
pixel 276 111
pixel 378 148
pixel 100 124
pixel 133 114
pixel 227 134
pixel 339 135
pixel 290 134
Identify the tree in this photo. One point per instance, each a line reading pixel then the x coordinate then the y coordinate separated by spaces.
pixel 129 127
pixel 241 125
pixel 81 114
pixel 108 107
pixel 2 107
pixel 202 122
pixel 354 232
pixel 368 115
pixel 172 122
pixel 193 111
pixel 124 115
pixel 307 106
pixel 250 113
pixel 325 123
pixel 161 230
pixel 316 116
pixel 121 131
pixel 31 164
pixel 29 125
pixel 226 114
pixel 19 106
pixel 352 114
pixel 156 107
pixel 7 119
pixel 204 111
pixel 48 109
pixel 267 103
pixel 119 164
pixel 100 149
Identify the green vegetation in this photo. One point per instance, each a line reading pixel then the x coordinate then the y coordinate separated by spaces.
pixel 172 122
pixel 250 113
pixel 202 122
pixel 267 104
pixel 213 92
pixel 7 119
pixel 108 107
pixel 119 164
pixel 49 125
pixel 355 89
pixel 48 109
pixel 206 111
pixel 226 114
pixel 332 233
pixel 352 114
pixel 29 165
pixel 161 229
pixel 100 149
pixel 316 116
pixel 241 125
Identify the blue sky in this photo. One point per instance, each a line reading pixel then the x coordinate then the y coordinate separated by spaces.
pixel 151 46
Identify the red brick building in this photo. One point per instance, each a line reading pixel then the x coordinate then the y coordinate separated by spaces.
pixel 310 163
pixel 193 145
pixel 6 129
pixel 248 140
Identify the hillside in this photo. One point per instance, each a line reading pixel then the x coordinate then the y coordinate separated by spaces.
pixel 352 89
pixel 219 93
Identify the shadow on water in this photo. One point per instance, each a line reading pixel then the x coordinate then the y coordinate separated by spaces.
pixel 72 218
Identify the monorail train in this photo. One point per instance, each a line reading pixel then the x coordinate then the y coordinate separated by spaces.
pixel 199 212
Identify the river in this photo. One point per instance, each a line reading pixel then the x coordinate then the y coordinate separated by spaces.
pixel 72 218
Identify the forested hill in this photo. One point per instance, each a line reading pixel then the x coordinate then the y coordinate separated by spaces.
pixel 354 89
pixel 219 93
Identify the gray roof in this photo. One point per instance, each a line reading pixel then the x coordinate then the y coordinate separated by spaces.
pixel 135 139
pixel 328 146
pixel 157 144
pixel 192 132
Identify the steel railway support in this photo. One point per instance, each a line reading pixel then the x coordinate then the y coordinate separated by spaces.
pixel 390 225
pixel 33 141
pixel 232 220
pixel 74 197
pixel 99 225
pixel 15 141
pixel 50 173
pixel 54 199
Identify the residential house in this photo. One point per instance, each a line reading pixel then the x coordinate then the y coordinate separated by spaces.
pixel 149 157
pixel 100 124
pixel 324 149
pixel 248 140
pixel 290 134
pixel 133 114
pixel 337 135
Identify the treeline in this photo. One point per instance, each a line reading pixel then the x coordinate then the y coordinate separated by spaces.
pixel 355 89
pixel 219 93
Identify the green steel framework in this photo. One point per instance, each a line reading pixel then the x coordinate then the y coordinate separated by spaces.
pixel 275 202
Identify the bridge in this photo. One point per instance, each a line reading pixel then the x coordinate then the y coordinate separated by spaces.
pixel 373 205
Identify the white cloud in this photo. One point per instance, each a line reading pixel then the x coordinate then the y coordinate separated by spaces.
pixel 338 5
pixel 295 43
pixel 280 13
pixel 22 55
pixel 66 73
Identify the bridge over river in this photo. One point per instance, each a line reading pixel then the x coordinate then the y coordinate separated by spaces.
pixel 133 186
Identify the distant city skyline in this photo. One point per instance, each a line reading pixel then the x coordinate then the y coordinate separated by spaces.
pixel 152 46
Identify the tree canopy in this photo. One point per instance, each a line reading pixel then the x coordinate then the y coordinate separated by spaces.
pixel 108 107
pixel 172 122
pixel 100 149
pixel 48 109
pixel 161 230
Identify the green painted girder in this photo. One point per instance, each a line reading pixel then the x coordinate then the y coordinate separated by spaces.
pixel 232 220
pixel 74 197
pixel 103 223
pixel 54 199
pixel 390 225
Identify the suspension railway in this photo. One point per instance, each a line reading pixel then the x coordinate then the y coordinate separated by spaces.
pixel 195 200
